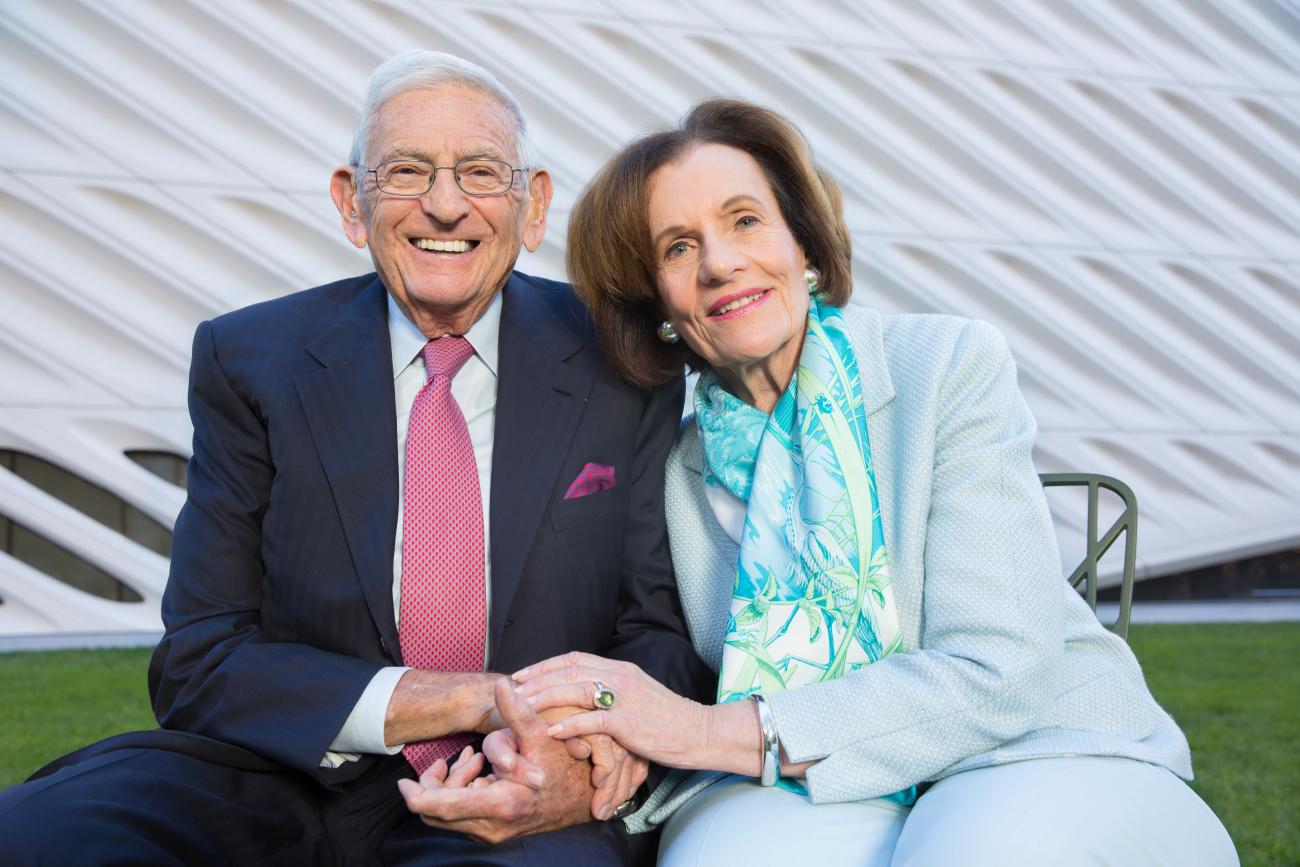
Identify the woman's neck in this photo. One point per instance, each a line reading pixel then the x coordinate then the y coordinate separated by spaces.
pixel 761 383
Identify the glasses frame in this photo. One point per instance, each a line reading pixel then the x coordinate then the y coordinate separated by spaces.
pixel 433 176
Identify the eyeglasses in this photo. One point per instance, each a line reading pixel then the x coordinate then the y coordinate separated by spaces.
pixel 475 177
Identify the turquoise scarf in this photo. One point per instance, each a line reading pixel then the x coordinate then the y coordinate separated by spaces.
pixel 812 598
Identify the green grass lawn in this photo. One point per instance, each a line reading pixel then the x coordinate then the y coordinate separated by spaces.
pixel 1234 688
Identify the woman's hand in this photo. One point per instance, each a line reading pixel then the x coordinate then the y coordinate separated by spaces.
pixel 647 718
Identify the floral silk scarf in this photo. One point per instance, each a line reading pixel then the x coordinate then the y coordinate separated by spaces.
pixel 812 598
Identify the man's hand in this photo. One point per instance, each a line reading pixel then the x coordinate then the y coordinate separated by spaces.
pixel 429 704
pixel 503 809
pixel 615 772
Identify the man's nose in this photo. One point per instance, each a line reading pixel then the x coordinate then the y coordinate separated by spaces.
pixel 444 201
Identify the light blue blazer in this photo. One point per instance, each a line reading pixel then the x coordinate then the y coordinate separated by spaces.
pixel 1004 661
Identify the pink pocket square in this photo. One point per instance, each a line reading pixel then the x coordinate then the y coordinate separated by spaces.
pixel 593 479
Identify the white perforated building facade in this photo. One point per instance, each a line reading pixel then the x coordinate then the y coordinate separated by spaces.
pixel 1114 183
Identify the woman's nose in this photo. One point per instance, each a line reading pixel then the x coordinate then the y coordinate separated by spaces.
pixel 718 261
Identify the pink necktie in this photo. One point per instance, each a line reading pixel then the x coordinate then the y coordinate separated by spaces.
pixel 443 621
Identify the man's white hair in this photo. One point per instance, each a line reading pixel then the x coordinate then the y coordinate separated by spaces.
pixel 412 70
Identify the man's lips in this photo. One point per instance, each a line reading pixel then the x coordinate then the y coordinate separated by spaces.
pixel 440 245
pixel 737 303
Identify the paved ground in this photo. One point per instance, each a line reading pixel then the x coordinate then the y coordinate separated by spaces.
pixel 1208 611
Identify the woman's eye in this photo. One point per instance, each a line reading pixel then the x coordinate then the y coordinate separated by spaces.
pixel 675 250
pixel 746 221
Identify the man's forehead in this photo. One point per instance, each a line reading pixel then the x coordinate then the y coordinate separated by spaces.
pixel 451 121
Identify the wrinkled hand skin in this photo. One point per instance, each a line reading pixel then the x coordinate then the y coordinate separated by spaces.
pixel 615 772
pixel 504 809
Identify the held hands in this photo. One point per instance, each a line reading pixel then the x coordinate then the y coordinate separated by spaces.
pixel 500 808
pixel 616 774
pixel 647 718
pixel 536 784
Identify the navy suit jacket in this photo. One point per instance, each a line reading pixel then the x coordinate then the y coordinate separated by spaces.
pixel 279 606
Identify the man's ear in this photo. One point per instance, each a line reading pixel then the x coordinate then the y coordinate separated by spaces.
pixel 347 198
pixel 539 202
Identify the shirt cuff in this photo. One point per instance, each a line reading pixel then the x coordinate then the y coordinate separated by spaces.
pixel 363 730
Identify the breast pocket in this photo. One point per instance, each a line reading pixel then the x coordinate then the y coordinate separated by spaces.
pixel 581 511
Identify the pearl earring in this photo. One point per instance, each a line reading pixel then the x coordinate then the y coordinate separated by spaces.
pixel 667 333
pixel 811 277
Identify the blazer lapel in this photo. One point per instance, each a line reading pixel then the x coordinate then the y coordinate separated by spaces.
pixel 866 330
pixel 352 417
pixel 541 395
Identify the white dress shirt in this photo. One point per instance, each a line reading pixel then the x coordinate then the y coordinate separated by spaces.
pixel 475 388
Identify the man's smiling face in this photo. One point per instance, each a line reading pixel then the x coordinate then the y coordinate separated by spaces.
pixel 443 255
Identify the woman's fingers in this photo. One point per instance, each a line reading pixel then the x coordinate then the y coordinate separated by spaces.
pixel 579 675
pixel 594 722
pixel 582 694
pixel 573 659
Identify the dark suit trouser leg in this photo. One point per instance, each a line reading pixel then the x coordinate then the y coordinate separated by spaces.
pixel 594 844
pixel 144 806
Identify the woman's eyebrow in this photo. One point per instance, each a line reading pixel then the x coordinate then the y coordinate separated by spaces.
pixel 737 199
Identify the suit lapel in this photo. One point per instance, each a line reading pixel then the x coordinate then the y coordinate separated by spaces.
pixel 866 330
pixel 350 412
pixel 541 395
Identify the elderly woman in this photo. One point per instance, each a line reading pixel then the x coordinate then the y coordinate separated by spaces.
pixel 863 552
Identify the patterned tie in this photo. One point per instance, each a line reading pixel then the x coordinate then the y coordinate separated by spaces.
pixel 443 620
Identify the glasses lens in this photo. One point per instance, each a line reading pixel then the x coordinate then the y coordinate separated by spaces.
pixel 404 177
pixel 478 177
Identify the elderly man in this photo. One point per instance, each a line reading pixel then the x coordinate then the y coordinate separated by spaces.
pixel 401 483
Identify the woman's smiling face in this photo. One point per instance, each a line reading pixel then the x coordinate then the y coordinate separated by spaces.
pixel 728 270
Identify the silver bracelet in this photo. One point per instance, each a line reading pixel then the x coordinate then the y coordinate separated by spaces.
pixel 771 743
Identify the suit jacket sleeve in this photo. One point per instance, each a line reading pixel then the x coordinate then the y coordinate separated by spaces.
pixel 650 630
pixel 991 634
pixel 216 672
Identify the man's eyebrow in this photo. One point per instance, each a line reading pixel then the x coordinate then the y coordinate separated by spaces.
pixel 407 153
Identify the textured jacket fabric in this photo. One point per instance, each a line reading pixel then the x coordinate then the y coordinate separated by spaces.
pixel 1004 661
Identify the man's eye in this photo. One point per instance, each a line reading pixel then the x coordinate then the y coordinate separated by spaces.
pixel 405 170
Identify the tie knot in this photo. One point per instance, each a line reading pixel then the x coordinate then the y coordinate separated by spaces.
pixel 446 355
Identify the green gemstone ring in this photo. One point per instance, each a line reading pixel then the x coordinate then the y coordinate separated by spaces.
pixel 603 698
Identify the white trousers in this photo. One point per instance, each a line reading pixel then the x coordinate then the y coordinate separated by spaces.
pixel 1058 811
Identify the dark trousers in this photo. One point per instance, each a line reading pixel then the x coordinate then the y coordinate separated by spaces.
pixel 145 799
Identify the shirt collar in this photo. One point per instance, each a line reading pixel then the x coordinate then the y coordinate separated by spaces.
pixel 406 341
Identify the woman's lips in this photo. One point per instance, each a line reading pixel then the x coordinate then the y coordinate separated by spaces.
pixel 738 303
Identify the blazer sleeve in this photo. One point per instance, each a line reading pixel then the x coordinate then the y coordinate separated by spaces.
pixel 215 672
pixel 992 635
pixel 650 630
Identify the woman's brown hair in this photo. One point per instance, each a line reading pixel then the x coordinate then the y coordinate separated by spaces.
pixel 610 260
